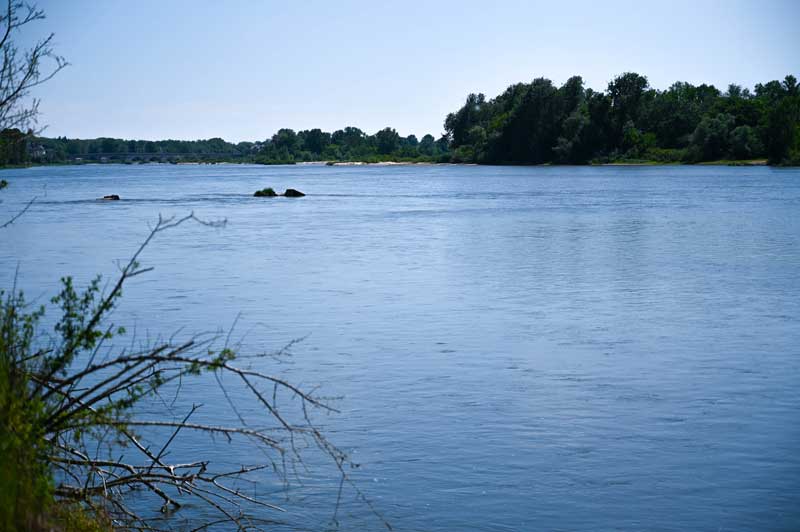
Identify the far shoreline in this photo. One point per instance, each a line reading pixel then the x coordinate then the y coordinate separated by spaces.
pixel 724 162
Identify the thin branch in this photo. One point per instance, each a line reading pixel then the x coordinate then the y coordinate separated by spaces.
pixel 20 213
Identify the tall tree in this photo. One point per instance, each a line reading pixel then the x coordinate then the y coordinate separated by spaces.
pixel 626 93
pixel 387 140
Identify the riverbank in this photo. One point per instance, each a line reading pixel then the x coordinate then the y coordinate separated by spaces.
pixel 721 162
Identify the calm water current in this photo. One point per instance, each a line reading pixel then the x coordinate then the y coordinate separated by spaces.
pixel 514 349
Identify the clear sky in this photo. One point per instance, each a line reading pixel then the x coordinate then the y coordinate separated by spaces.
pixel 242 69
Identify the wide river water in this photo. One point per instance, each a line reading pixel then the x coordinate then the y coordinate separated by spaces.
pixel 512 348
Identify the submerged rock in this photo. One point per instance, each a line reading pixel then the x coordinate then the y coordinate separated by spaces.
pixel 265 193
pixel 292 193
pixel 111 197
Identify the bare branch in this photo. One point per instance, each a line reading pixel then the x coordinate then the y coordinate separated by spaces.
pixel 20 213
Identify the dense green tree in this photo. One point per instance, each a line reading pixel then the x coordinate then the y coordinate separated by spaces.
pixel 674 114
pixel 285 139
pixel 13 147
pixel 387 140
pixel 427 145
pixel 572 146
pixel 532 127
pixel 459 123
pixel 351 138
pixel 627 92
pixel 536 123
pixel 711 138
pixel 315 140
pixel 782 122
pixel 745 143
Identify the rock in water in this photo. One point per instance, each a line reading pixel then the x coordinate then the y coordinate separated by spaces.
pixel 292 193
pixel 111 197
pixel 265 193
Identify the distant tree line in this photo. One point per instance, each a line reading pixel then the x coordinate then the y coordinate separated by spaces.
pixel 529 123
pixel 284 147
pixel 62 149
pixel 538 122
pixel 350 144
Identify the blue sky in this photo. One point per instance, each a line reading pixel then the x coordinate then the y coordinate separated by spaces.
pixel 241 70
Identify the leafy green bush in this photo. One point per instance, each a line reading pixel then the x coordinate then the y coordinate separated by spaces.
pixel 25 485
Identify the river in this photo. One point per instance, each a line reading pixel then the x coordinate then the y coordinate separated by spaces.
pixel 511 348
